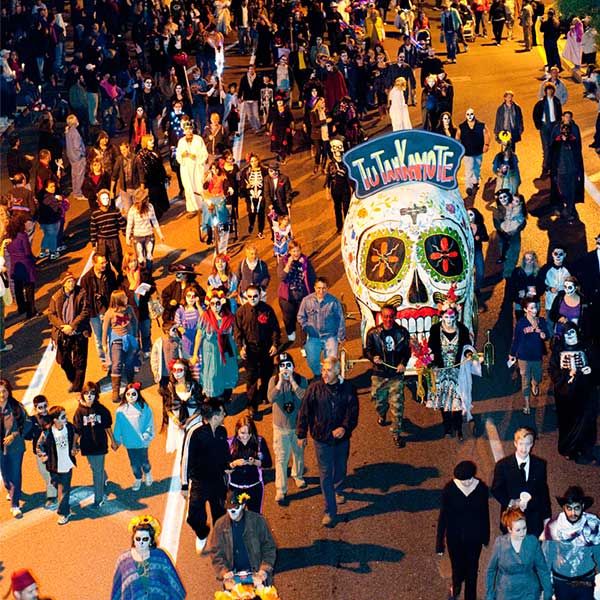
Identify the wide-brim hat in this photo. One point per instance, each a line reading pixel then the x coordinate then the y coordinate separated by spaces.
pixel 236 498
pixel 575 495
pixel 181 268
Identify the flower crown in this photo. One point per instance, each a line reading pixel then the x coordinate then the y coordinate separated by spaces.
pixel 145 520
pixel 243 498
pixel 215 293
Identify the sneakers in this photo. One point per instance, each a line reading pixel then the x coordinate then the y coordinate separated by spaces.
pixel 61 248
pixel 292 337
pixel 340 499
pixel 200 544
pixel 280 497
pixel 327 521
pixel 137 484
pixel 399 441
pixel 149 479
pixel 15 511
pixel 260 235
pixel 63 519
pixel 6 348
pixel 54 255
pixel 43 254
pixel 300 483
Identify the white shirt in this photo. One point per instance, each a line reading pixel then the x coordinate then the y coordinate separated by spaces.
pixel 550 111
pixel 61 440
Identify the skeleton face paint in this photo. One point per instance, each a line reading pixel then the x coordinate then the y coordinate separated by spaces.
pixel 235 513
pixel 337 149
pixel 531 309
pixel 471 216
pixel 449 319
pixel 571 337
pixel 504 198
pixel 558 256
pixel 570 288
pixel 131 396
pixel 216 304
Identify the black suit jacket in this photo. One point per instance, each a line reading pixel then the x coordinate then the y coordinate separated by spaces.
pixel 279 197
pixel 508 485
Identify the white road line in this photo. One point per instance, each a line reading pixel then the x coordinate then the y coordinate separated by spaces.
pixel 174 512
pixel 81 497
pixel 495 443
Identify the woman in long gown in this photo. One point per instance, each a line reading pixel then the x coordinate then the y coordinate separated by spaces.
pixel 215 342
pixel 517 569
pixel 397 106
pixel 447 340
pixel 574 396
pixel 152 175
pixel 281 122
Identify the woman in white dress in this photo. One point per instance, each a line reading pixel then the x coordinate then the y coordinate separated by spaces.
pixel 397 106
pixel 223 16
pixel 574 46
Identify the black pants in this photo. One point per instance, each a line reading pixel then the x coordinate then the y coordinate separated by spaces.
pixel 498 27
pixel 341 204
pixel 202 492
pixel 259 365
pixel 72 355
pixel 112 251
pixel 252 218
pixel 320 152
pixel 452 421
pixel 25 297
pixel 464 559
pixel 289 309
pixel 565 590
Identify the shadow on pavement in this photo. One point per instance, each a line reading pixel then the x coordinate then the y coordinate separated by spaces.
pixel 338 554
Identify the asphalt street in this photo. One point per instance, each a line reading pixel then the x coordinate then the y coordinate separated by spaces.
pixel 384 544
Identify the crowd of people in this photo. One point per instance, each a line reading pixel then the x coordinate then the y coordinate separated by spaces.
pixel 143 101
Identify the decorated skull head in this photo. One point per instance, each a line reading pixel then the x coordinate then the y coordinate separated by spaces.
pixel 408 245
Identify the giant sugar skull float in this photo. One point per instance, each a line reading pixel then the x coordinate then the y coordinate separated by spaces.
pixel 406 239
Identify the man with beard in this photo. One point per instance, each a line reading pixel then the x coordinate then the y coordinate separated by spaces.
pixel 257 335
pixel 571 545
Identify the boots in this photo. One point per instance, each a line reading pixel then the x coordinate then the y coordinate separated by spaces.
pixel 116 388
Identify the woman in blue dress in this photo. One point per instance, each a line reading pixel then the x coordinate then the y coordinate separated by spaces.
pixel 215 342
pixel 517 569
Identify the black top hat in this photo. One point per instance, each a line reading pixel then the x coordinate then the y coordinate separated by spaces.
pixel 575 495
pixel 181 268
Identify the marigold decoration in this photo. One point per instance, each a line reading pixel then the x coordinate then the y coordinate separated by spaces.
pixel 423 361
pixel 214 293
pixel 249 592
pixel 145 520
pixel 243 498
pixel 505 136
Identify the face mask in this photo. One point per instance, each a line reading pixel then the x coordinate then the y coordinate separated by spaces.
pixel 571 337
pixel 104 200
pixel 234 513
pixel 470 116
pixel 471 216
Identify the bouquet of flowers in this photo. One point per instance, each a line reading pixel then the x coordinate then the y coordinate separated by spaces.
pixel 249 592
pixel 423 366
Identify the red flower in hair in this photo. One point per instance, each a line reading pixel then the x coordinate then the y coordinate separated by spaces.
pixel 137 385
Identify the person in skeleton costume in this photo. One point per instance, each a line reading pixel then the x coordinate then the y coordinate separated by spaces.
pixel 338 183
pixel 252 188
pixel 571 545
pixel 191 155
pixel 216 344
pixel 447 340
pixel 388 348
pixel 574 395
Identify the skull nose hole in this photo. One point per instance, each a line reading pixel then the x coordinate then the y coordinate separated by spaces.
pixel 418 292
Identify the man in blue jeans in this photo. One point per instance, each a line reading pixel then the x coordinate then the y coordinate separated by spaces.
pixel 451 24
pixel 322 319
pixel 329 411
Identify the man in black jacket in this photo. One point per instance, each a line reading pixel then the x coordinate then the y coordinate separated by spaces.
pixel 388 348
pixel 546 115
pixel 204 458
pixel 69 316
pixel 521 480
pixel 98 284
pixel 257 335
pixel 249 97
pixel 329 411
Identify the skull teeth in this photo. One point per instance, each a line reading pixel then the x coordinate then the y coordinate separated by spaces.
pixel 419 326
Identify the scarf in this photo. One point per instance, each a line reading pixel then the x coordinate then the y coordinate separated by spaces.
pixel 586 532
pixel 210 321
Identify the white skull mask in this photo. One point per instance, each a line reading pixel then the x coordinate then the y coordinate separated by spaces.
pixel 337 149
pixel 407 246
pixel 389 343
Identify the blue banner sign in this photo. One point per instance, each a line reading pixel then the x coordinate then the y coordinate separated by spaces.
pixel 410 156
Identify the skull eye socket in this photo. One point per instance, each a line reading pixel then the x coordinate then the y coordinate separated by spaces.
pixel 385 258
pixel 443 255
